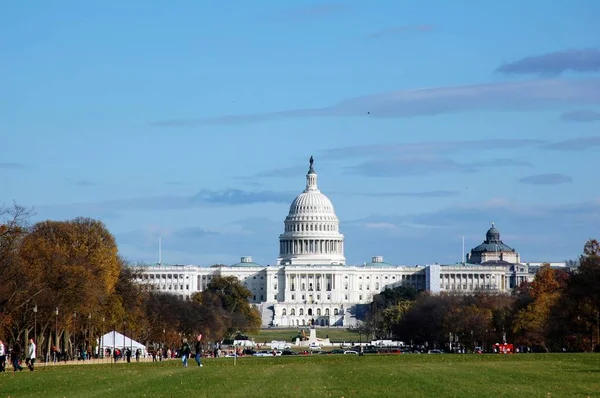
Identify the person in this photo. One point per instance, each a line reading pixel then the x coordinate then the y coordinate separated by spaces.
pixel 30 359
pixel 2 357
pixel 15 357
pixel 185 352
pixel 198 356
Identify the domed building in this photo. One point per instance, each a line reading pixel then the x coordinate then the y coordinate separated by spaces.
pixel 311 284
pixel 311 229
pixel 493 250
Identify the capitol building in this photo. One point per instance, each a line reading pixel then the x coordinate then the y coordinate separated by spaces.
pixel 311 283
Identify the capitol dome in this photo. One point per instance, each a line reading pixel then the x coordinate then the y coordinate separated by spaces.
pixel 311 228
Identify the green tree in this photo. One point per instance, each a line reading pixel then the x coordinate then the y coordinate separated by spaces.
pixel 228 298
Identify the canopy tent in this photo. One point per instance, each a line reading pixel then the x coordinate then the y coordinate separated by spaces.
pixel 115 339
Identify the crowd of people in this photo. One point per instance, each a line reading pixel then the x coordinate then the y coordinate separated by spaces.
pixel 16 352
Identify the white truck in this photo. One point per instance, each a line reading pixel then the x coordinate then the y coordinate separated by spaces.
pixel 280 345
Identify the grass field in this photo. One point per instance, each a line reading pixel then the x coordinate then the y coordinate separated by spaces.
pixel 335 334
pixel 447 375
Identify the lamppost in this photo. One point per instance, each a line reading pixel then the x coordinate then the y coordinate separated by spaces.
pixel 74 334
pixel 35 325
pixel 89 335
pixel 102 338
pixel 56 333
pixel 360 352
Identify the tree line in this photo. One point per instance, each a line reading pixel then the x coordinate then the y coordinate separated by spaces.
pixel 558 310
pixel 65 283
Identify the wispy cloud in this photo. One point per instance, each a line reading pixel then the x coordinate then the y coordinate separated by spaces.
pixel 83 183
pixel 203 198
pixel 516 96
pixel 399 30
pixel 422 194
pixel 420 165
pixel 240 197
pixel 574 144
pixel 584 115
pixel 555 63
pixel 546 179
pixel 428 148
pixel 12 165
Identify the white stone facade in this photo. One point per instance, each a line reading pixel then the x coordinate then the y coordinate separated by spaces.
pixel 310 282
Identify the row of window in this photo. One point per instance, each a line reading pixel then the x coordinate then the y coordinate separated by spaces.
pixel 164 276
pixel 309 311
pixel 310 227
pixel 319 297
pixel 467 276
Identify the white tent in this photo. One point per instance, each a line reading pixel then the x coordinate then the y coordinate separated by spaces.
pixel 115 339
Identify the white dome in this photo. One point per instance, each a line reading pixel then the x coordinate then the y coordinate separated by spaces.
pixel 311 234
pixel 312 204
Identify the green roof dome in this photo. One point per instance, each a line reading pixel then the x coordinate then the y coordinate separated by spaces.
pixel 246 261
pixel 492 243
pixel 377 261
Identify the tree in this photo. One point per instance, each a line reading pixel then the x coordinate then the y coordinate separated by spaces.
pixel 387 309
pixel 533 323
pixel 228 298
pixel 71 265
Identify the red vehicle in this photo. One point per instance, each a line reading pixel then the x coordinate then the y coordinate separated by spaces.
pixel 504 348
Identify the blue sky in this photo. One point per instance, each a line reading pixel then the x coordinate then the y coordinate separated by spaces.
pixel 194 121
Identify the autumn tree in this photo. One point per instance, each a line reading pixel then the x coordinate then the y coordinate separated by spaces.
pixel 70 265
pixel 533 323
pixel 13 228
pixel 228 298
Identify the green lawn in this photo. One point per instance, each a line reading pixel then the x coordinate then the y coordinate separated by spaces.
pixel 447 375
pixel 336 335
